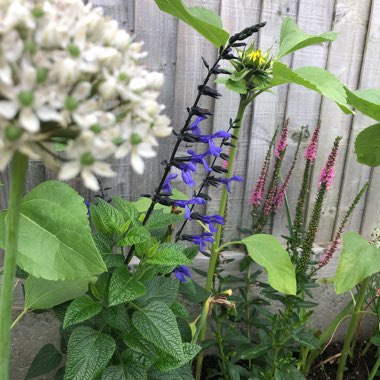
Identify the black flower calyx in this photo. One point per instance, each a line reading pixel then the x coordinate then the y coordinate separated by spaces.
pixel 208 91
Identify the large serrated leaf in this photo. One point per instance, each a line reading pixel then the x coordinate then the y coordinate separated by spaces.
pixel 204 21
pixel 292 38
pixel 313 78
pixel 47 358
pixel 367 146
pixel 183 373
pixel 117 318
pixel 55 239
pixel 169 254
pixel 127 209
pixel 106 218
pixel 44 294
pixel 88 353
pixel 160 288
pixel 135 235
pixel 357 261
pixel 157 324
pixel 123 287
pixel 81 309
pixel 159 219
pixel 122 372
pixel 267 251
pixel 167 362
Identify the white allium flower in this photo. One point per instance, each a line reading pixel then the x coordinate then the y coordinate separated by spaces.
pixel 70 74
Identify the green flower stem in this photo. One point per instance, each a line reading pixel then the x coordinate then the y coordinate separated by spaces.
pixel 18 173
pixel 326 335
pixel 352 327
pixel 374 369
pixel 244 101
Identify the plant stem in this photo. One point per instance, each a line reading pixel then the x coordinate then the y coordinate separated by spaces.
pixel 19 317
pixel 247 309
pixel 326 335
pixel 222 208
pixel 18 173
pixel 352 327
pixel 375 368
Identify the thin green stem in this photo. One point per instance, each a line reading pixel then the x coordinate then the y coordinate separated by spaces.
pixel 352 328
pixel 375 368
pixel 223 358
pixel 248 310
pixel 18 173
pixel 220 249
pixel 222 209
pixel 19 317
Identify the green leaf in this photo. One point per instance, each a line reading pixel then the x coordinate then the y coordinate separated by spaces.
pixel 44 294
pixel 55 239
pixel 238 86
pixel 358 260
pixel 256 351
pixel 159 219
pixel 183 373
pixel 313 78
pixel 167 362
pixel 288 372
pixel 366 101
pixel 157 324
pixel 88 353
pixel 127 209
pixel 106 218
pixel 47 358
pixel 160 288
pixel 122 372
pixel 266 251
pixel 193 292
pixel 113 260
pixel 367 146
pixel 292 38
pixel 123 287
pixel 81 309
pixel 180 310
pixel 135 235
pixel 117 318
pixel 306 339
pixel 169 254
pixel 204 21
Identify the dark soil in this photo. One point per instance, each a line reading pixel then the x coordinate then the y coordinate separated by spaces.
pixel 325 366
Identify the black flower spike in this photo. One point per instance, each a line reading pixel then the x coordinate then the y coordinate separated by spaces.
pixel 224 156
pixel 239 44
pixel 203 196
pixel 163 200
pixel 205 63
pixel 219 169
pixel 217 70
pixel 211 181
pixel 198 111
pixel 245 33
pixel 208 91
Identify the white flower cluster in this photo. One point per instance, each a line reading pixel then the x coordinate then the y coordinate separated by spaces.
pixel 375 237
pixel 70 75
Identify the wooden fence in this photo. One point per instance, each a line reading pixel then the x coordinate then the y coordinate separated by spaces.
pixel 175 49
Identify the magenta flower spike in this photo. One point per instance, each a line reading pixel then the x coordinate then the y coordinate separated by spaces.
pixel 327 175
pixel 311 149
pixel 282 142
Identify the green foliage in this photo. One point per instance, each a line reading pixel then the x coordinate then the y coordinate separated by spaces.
pixel 55 240
pixel 160 219
pixel 169 255
pixel 124 287
pixel 358 260
pixel 89 352
pixel 81 309
pixel 366 101
pixel 161 289
pixel 157 324
pixel 268 252
pixel 367 146
pixel 135 235
pixel 292 38
pixel 203 20
pixel 47 359
pixel 106 218
pixel 44 294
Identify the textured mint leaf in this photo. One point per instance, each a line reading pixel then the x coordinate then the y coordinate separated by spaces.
pixel 55 239
pixel 47 358
pixel 157 324
pixel 106 218
pixel 183 373
pixel 88 353
pixel 127 209
pixel 180 310
pixel 113 260
pixel 117 318
pixel 159 219
pixel 81 309
pixel 123 372
pixel 44 294
pixel 160 288
pixel 135 235
pixel 167 362
pixel 169 254
pixel 135 342
pixel 123 287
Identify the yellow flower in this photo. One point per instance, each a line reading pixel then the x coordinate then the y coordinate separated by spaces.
pixel 255 55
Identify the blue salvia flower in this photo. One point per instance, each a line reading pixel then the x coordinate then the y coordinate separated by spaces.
pixel 201 240
pixel 193 201
pixel 200 158
pixel 187 170
pixel 210 220
pixel 166 187
pixel 180 272
pixel 227 181
pixel 194 127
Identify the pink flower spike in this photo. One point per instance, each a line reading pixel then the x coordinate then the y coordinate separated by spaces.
pixel 311 149
pixel 327 174
pixel 282 142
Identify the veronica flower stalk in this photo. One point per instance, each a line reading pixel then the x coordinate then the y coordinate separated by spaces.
pixel 279 153
pixel 325 183
pixel 325 259
pixel 309 155
pixel 68 74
